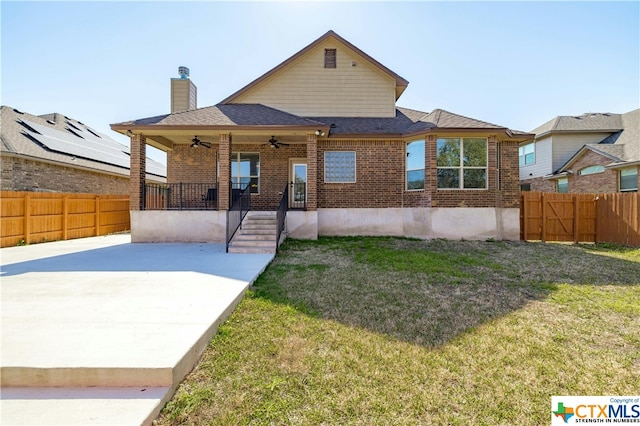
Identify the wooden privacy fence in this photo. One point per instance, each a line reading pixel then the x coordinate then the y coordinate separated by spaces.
pixel 33 217
pixel 580 217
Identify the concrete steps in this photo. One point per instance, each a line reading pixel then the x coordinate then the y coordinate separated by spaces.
pixel 257 234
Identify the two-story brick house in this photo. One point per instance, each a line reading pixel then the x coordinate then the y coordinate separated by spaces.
pixel 323 130
pixel 588 153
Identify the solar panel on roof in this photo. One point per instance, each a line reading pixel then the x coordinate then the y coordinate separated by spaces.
pixel 66 143
pixel 94 146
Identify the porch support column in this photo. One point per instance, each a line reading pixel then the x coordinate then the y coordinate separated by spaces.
pixel 138 162
pixel 312 172
pixel 224 155
pixel 493 169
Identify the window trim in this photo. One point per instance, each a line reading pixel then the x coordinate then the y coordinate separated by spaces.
pixel 524 155
pixel 235 159
pixel 406 165
pixel 355 168
pixel 462 168
pixel 634 169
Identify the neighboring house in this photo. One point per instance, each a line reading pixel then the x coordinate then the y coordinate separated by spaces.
pixel 324 126
pixel 55 153
pixel 590 153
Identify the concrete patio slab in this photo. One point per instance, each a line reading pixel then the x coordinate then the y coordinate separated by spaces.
pixel 104 313
pixel 80 406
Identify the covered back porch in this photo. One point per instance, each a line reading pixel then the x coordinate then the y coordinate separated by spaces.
pixel 215 177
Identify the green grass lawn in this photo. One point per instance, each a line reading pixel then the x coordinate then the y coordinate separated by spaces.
pixel 388 331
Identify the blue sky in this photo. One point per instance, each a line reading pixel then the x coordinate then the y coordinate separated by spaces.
pixel 516 64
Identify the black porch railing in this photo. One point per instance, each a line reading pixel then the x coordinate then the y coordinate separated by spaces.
pixel 298 196
pixel 281 215
pixel 240 206
pixel 181 196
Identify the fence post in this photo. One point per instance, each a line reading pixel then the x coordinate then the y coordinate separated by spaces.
pixel 523 231
pixel 65 217
pixel 575 219
pixel 544 218
pixel 27 219
pixel 97 215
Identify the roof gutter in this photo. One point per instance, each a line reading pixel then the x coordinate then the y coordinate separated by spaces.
pixel 622 165
pixel 564 132
pixel 124 128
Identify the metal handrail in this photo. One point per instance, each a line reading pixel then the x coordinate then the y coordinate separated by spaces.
pixel 281 215
pixel 240 206
pixel 180 196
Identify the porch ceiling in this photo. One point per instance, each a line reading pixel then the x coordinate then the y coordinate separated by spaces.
pixel 166 139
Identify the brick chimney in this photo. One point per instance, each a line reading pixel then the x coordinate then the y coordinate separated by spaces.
pixel 183 92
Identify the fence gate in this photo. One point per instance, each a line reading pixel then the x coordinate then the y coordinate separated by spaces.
pixel 558 217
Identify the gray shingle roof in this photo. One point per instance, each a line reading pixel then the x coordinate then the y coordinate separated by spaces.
pixel 585 122
pixel 621 146
pixel 406 122
pixel 226 115
pixel 66 141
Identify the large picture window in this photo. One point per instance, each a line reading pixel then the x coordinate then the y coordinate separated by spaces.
pixel 340 166
pixel 415 165
pixel 245 170
pixel 462 163
pixel 527 154
pixel 629 180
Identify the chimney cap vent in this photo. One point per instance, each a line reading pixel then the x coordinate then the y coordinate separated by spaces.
pixel 183 72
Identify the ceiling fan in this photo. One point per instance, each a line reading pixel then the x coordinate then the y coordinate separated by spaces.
pixel 195 142
pixel 274 143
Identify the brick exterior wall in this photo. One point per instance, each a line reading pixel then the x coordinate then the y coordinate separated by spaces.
pixel 192 165
pixel 20 174
pixel 137 175
pixel 380 174
pixel 540 184
pixel 274 171
pixel 606 181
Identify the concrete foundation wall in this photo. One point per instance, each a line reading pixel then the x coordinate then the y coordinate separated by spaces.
pixel 419 222
pixel 450 223
pixel 302 225
pixel 178 226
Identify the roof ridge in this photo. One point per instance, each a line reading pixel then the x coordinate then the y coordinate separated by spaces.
pixel 470 118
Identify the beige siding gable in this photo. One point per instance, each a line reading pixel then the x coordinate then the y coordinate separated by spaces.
pixel 566 145
pixel 543 162
pixel 355 88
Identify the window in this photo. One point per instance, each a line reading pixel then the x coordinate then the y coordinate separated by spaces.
pixel 525 187
pixel 462 163
pixel 591 170
pixel 329 58
pixel 527 154
pixel 562 185
pixel 340 167
pixel 415 165
pixel 629 180
pixel 245 170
